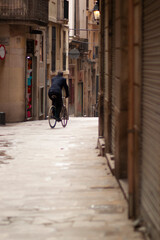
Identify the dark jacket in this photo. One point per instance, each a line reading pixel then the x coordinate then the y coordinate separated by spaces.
pixel 58 82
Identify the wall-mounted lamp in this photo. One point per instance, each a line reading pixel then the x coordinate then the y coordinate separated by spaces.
pixel 96 11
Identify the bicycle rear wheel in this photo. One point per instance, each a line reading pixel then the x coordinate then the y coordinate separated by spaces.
pixel 51 117
pixel 64 116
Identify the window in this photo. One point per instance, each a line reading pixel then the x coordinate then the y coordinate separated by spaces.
pixel 64 50
pixel 65 9
pixel 87 25
pixel 96 51
pixel 30 46
pixel 94 35
pixel 53 49
pixel 87 4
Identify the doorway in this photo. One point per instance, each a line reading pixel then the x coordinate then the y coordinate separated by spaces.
pixel 31 87
pixel 80 99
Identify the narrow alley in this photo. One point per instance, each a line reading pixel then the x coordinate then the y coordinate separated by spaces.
pixel 55 186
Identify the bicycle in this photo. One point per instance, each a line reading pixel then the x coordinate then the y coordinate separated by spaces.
pixel 52 119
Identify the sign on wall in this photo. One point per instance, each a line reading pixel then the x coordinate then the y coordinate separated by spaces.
pixel 2 52
pixel 74 53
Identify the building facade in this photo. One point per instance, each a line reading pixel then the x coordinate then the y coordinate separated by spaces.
pixel 57 41
pixel 22 70
pixel 83 58
pixel 129 98
pixel 91 96
pixel 34 35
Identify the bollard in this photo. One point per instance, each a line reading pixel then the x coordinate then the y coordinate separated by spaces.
pixel 2 118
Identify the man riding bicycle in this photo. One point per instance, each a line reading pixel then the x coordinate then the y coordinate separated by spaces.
pixel 55 92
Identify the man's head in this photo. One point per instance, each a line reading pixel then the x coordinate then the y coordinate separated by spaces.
pixel 60 74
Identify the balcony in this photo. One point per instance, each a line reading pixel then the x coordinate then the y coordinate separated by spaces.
pixel 83 47
pixel 29 11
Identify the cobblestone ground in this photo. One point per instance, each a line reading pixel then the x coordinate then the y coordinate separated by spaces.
pixel 54 186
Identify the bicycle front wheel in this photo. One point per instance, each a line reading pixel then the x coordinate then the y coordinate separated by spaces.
pixel 51 117
pixel 64 116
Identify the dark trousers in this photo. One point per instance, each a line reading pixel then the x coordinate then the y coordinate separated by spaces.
pixel 56 101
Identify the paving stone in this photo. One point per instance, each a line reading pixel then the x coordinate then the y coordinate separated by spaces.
pixel 55 186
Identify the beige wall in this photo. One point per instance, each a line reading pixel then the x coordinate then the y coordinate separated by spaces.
pixel 56 19
pixel 13 74
pixel 12 85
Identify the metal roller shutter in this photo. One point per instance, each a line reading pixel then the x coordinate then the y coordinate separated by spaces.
pixel 150 169
pixel 113 91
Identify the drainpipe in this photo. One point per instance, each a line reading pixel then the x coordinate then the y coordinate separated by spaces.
pixel 131 112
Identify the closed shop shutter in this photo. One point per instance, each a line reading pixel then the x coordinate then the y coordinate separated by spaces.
pixel 113 92
pixel 150 168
